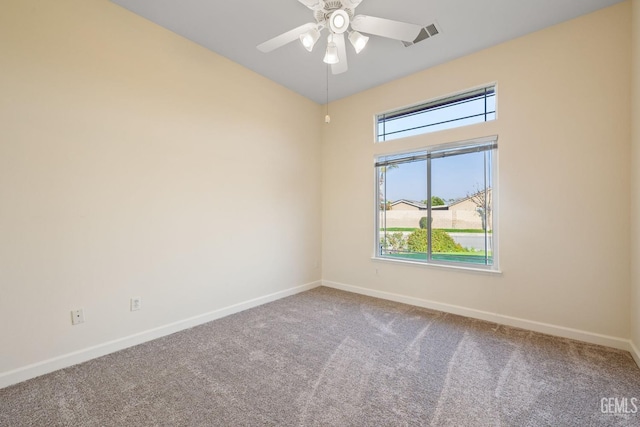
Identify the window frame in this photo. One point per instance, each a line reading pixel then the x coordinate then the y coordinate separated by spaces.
pixel 493 185
pixel 435 104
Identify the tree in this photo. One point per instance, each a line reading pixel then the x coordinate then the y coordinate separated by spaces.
pixel 385 205
pixel 423 222
pixel 435 201
pixel 482 200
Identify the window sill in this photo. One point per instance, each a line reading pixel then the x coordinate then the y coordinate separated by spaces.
pixel 439 266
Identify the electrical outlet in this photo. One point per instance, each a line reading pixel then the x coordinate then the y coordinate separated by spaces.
pixel 77 316
pixel 136 303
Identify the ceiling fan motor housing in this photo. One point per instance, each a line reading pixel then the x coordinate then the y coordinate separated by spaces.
pixel 324 15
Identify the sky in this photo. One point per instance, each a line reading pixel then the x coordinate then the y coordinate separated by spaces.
pixel 433 120
pixel 453 177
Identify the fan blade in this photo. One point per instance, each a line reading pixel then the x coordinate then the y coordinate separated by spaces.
pixel 351 4
pixel 312 4
pixel 342 65
pixel 386 28
pixel 285 38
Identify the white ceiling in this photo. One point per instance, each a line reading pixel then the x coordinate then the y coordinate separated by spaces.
pixel 234 28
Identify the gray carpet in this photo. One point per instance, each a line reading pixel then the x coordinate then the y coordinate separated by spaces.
pixel 331 358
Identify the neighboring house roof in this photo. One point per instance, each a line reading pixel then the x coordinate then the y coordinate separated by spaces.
pixel 451 206
pixel 470 198
pixel 418 205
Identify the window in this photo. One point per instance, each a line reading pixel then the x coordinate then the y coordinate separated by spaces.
pixel 437 206
pixel 467 108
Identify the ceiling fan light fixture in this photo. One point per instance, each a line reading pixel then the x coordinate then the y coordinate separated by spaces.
pixel 358 41
pixel 310 38
pixel 339 21
pixel 331 55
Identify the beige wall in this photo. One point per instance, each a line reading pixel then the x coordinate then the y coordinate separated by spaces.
pixel 563 126
pixel 635 167
pixel 121 146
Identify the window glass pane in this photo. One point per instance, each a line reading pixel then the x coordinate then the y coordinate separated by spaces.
pixel 402 190
pixel 437 207
pixel 464 109
pixel 414 128
pixel 463 231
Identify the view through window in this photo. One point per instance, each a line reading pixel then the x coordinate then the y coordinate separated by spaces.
pixel 437 205
pixel 466 108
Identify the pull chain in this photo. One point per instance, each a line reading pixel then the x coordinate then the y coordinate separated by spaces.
pixel 327 118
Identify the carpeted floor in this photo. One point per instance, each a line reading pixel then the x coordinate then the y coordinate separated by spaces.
pixel 331 358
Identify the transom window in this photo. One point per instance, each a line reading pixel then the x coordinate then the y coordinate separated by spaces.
pixel 438 205
pixel 475 106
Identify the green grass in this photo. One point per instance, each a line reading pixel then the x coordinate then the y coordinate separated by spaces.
pixel 448 230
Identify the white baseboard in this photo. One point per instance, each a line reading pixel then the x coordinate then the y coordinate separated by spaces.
pixel 545 328
pixel 70 359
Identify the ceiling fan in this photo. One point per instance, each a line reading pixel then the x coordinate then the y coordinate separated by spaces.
pixel 337 16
